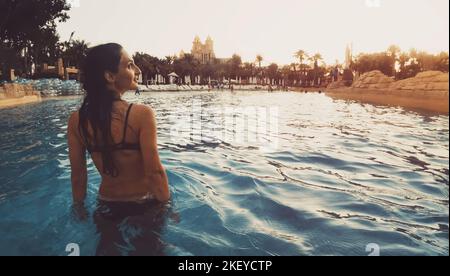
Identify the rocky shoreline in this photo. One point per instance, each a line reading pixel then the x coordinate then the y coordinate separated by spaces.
pixel 428 91
pixel 12 94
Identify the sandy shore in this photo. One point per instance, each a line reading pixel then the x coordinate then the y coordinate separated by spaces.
pixel 430 101
pixel 13 102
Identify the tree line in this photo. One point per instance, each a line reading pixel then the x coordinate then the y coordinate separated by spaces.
pixel 400 64
pixel 28 38
pixel 235 69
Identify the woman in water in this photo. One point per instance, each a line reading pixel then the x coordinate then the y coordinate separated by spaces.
pixel 120 137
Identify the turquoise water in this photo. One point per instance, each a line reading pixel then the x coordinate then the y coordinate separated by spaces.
pixel 340 176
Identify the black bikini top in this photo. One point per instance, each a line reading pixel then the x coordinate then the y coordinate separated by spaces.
pixel 120 146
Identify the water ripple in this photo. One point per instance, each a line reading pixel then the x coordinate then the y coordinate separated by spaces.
pixel 343 175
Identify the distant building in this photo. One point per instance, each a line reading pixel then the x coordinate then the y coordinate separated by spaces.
pixel 204 52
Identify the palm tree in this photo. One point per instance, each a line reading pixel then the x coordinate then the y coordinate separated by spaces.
pixel 259 59
pixel 443 62
pixel 207 71
pixel 247 71
pixel 294 66
pixel 402 60
pixel 393 51
pixel 169 60
pixel 190 66
pixel 148 65
pixel 316 58
pixel 272 72
pixel 286 73
pixel 415 59
pixel 74 52
pixel 301 55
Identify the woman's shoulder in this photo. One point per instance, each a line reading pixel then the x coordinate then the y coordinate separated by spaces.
pixel 143 111
pixel 142 107
pixel 144 114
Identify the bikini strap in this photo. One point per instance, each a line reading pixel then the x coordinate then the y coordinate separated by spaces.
pixel 126 124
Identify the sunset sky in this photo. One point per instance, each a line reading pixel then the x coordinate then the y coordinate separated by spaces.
pixel 274 29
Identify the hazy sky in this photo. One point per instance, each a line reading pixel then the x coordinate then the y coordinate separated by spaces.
pixel 273 28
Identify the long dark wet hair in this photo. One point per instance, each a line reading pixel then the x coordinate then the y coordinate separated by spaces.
pixel 98 101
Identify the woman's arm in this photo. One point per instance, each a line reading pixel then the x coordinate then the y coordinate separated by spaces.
pixel 155 173
pixel 77 156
